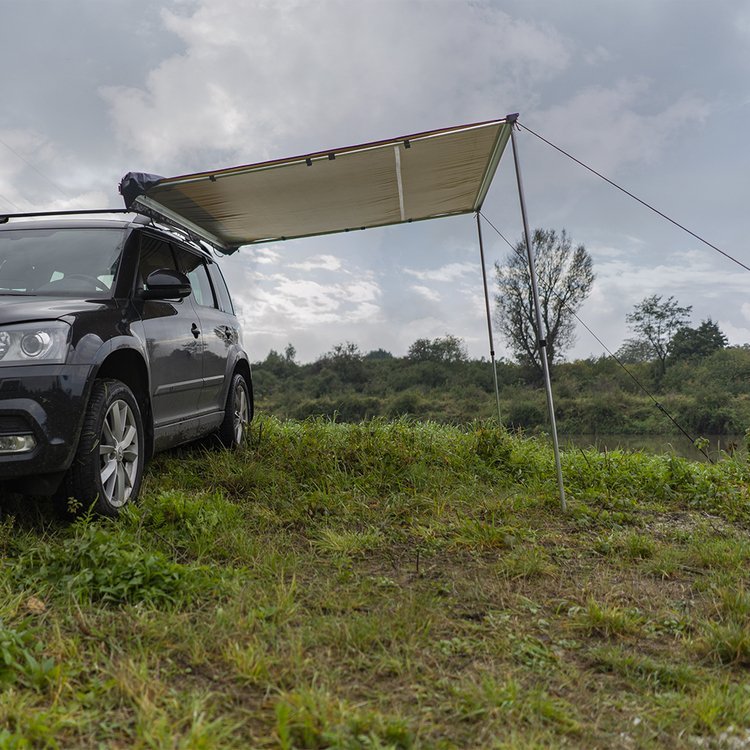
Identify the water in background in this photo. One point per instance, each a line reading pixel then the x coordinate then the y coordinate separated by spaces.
pixel 718 445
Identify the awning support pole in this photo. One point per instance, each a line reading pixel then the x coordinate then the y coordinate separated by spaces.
pixel 540 333
pixel 489 319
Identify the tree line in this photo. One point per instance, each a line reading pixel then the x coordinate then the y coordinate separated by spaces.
pixel 699 379
pixel 437 381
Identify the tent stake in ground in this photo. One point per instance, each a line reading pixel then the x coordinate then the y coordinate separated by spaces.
pixel 542 342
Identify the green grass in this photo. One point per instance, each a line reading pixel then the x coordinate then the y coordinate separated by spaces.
pixel 384 585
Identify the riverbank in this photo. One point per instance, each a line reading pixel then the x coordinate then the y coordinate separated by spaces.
pixel 715 447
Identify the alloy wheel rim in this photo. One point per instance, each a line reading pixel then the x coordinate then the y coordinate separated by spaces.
pixel 119 453
pixel 241 414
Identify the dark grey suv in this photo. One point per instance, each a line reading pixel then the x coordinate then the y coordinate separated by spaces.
pixel 117 339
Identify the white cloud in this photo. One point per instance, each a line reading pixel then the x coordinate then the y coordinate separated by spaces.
pixel 361 291
pixel 279 309
pixel 424 291
pixel 265 255
pixel 284 303
pixel 319 262
pixel 624 280
pixel 447 273
pixel 735 334
pixel 605 251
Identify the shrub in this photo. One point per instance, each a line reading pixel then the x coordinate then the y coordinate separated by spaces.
pixel 409 402
pixel 708 413
pixel 526 414
pixel 21 659
pixel 348 407
pixel 95 563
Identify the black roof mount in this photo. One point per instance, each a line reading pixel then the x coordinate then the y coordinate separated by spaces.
pixel 134 187
pixel 161 218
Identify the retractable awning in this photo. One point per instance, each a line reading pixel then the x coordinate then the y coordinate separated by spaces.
pixel 414 177
pixel 410 178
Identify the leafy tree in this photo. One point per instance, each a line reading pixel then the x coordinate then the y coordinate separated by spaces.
pixel 419 351
pixel 278 364
pixel 655 322
pixel 378 354
pixel 634 351
pixel 346 361
pixel 446 349
pixel 697 343
pixel 564 279
pixel 348 351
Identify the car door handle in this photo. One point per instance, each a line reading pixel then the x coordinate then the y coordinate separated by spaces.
pixel 195 330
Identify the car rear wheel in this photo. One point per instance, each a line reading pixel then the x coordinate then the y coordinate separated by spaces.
pixel 108 467
pixel 237 413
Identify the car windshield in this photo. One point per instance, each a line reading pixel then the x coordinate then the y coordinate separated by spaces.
pixel 63 262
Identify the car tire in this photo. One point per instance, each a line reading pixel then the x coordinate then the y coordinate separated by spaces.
pixel 108 466
pixel 237 413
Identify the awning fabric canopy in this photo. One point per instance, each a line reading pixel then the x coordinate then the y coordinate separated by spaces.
pixel 410 178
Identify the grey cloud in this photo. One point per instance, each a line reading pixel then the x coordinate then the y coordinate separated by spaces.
pixel 251 73
pixel 655 93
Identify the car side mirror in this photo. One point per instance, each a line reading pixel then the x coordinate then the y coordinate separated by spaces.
pixel 166 283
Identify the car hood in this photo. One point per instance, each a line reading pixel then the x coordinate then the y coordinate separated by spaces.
pixel 19 309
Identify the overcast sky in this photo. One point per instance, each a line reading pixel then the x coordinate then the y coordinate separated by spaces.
pixel 654 93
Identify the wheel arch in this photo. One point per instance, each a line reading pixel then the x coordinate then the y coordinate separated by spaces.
pixel 129 367
pixel 242 366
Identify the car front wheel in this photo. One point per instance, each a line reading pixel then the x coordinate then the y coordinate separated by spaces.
pixel 108 467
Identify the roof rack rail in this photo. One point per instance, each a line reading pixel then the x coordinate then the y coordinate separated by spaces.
pixel 159 217
pixel 4 217
pixel 136 208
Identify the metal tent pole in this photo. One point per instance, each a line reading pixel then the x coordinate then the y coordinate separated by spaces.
pixel 540 334
pixel 489 318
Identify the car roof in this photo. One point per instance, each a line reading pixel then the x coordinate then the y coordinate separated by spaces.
pixel 98 220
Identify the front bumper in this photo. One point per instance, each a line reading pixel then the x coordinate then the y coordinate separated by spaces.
pixel 47 402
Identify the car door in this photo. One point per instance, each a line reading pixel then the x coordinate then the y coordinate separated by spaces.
pixel 173 341
pixel 218 336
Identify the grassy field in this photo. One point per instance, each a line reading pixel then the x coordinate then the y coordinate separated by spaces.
pixel 385 585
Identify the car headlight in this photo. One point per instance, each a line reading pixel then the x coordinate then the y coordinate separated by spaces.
pixel 27 343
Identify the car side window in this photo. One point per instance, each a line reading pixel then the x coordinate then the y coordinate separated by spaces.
pixel 225 301
pixel 155 254
pixel 194 268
